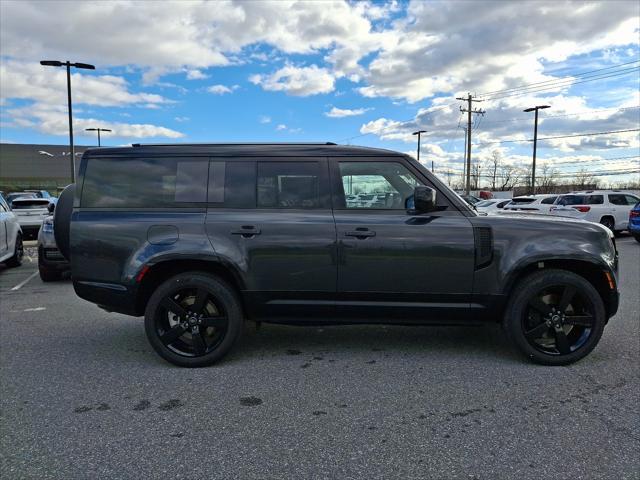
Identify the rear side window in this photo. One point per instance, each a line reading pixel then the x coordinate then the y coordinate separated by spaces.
pixel 522 201
pixel 144 182
pixel 548 201
pixel 288 185
pixel 594 199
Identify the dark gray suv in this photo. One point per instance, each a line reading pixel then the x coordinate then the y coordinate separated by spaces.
pixel 200 238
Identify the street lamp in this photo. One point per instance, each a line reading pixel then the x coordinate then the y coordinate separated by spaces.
pixel 535 144
pixel 97 130
pixel 418 133
pixel 68 64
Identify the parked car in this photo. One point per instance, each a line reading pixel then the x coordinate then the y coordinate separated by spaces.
pixel 264 233
pixel 51 263
pixel 634 222
pixel 12 196
pixel 30 212
pixel 11 249
pixel 491 206
pixel 541 203
pixel 40 193
pixel 609 207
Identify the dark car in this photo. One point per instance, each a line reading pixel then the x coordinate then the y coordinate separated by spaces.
pixel 634 221
pixel 51 263
pixel 198 238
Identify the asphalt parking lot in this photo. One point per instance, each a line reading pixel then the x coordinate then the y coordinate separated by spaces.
pixel 84 396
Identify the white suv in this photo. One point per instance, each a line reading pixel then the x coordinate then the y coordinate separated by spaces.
pixel 532 204
pixel 609 207
pixel 11 249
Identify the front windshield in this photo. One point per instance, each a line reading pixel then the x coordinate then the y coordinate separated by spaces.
pixel 485 203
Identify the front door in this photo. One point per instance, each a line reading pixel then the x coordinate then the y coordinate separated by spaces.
pixel 272 220
pixel 392 264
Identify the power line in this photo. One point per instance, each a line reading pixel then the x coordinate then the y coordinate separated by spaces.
pixel 470 111
pixel 586 112
pixel 561 136
pixel 556 79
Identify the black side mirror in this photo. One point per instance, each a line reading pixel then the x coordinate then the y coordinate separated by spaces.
pixel 424 199
pixel 51 207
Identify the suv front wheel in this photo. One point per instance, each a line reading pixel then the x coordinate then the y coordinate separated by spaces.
pixel 555 317
pixel 193 319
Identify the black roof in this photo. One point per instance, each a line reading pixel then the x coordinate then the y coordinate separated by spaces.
pixel 326 149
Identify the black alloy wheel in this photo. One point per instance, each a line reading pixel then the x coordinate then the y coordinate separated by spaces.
pixel 18 253
pixel 608 222
pixel 555 317
pixel 190 322
pixel 558 320
pixel 193 319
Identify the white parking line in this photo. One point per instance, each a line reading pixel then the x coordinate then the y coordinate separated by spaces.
pixel 24 282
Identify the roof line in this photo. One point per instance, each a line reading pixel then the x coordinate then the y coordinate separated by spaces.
pixel 226 143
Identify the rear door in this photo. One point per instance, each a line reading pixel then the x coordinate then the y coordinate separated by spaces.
pixel 393 264
pixel 4 226
pixel 270 219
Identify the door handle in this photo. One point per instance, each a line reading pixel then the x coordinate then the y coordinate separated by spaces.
pixel 247 231
pixel 360 234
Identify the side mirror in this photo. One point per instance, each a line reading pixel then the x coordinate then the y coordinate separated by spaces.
pixel 51 207
pixel 424 199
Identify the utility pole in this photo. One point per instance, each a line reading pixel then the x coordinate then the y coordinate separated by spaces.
pixel 432 167
pixel 469 110
pixel 535 144
pixel 418 133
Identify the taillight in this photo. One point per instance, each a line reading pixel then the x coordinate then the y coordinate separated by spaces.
pixel 634 213
pixel 582 209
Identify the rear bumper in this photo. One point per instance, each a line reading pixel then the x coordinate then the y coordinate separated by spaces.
pixel 52 259
pixel 111 297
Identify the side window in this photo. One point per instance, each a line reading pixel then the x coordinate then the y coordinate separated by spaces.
pixel 594 199
pixel 377 185
pixel 144 182
pixel 631 200
pixel 617 199
pixel 289 184
pixel 548 201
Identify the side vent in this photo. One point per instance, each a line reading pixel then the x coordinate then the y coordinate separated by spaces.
pixel 483 237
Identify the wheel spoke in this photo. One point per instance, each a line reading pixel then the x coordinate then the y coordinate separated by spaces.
pixel 562 343
pixel 567 295
pixel 172 335
pixel 217 322
pixel 537 304
pixel 201 300
pixel 173 307
pixel 579 320
pixel 199 345
pixel 537 332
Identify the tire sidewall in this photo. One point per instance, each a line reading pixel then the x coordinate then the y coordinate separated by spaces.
pixel 223 294
pixel 531 286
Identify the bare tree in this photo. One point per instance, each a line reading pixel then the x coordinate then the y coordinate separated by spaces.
pixel 508 176
pixel 493 165
pixel 546 179
pixel 583 178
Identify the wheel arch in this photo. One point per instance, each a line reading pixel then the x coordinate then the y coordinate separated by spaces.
pixel 161 271
pixel 595 274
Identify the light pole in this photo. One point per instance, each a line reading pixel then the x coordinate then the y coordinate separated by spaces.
pixel 535 143
pixel 97 130
pixel 418 133
pixel 68 64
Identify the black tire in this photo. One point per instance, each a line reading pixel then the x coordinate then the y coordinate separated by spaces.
pixel 172 316
pixel 49 275
pixel 608 222
pixel 18 254
pixel 62 220
pixel 637 237
pixel 548 329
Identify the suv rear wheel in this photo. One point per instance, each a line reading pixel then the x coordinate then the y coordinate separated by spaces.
pixel 18 253
pixel 193 319
pixel 555 317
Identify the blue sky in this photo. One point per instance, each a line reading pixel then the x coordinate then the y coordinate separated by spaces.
pixel 366 73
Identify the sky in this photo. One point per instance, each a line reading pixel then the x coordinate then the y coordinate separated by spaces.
pixel 362 73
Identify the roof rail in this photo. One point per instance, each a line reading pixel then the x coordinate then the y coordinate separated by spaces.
pixel 226 143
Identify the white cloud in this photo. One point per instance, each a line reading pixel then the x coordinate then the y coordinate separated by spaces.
pixel 297 81
pixel 196 75
pixel 340 112
pixel 221 89
pixel 264 119
pixel 54 121
pixel 182 119
pixel 281 127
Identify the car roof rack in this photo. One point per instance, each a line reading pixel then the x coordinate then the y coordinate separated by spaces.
pixel 206 144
